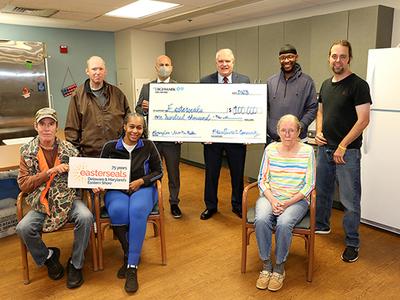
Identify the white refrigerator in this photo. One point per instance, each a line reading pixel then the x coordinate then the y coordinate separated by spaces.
pixel 380 162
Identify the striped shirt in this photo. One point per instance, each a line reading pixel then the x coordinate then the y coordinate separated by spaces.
pixel 287 176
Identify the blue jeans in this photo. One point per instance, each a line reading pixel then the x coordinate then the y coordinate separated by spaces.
pixel 132 210
pixel 30 227
pixel 348 177
pixel 265 222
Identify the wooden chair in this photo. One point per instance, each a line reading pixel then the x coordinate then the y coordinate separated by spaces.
pixel 305 229
pixel 156 217
pixel 67 226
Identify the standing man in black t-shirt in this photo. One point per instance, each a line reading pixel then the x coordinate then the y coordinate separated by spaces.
pixel 343 114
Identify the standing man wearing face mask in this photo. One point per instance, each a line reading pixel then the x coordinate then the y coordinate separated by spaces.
pixel 170 151
pixel 290 92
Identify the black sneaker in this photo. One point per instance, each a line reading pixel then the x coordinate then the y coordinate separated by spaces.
pixel 54 269
pixel 175 211
pixel 74 276
pixel 131 283
pixel 350 254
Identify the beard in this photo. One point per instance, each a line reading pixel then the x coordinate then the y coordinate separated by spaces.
pixel 338 70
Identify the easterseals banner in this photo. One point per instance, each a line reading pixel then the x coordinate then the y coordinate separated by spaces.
pixel 224 113
pixel 87 172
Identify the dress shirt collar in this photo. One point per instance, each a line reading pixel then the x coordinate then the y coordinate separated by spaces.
pixel 165 81
pixel 221 78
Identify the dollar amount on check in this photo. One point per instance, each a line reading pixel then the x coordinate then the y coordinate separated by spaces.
pixel 224 113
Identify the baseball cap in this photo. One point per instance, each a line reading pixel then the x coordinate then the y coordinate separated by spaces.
pixel 45 112
pixel 288 49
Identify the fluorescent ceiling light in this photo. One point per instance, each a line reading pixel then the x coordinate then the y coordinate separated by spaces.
pixel 141 8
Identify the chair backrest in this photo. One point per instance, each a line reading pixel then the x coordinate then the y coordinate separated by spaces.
pixel 20 202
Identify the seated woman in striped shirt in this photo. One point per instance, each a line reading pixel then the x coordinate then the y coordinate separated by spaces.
pixel 286 178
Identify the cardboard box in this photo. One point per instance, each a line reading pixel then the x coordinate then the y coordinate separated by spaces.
pixel 8 221
pixel 8 185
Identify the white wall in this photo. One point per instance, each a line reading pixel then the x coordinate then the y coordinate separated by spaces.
pixel 123 60
pixel 314 11
pixel 146 46
pixel 136 52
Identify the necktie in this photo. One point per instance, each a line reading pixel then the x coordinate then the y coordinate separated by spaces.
pixel 225 79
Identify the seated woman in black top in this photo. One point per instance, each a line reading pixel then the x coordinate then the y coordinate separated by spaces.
pixel 128 210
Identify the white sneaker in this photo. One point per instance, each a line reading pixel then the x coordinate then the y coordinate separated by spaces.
pixel 276 281
pixel 263 280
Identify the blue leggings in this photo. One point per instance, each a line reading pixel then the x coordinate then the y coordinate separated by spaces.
pixel 132 210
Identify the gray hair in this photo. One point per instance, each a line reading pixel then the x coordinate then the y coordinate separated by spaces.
pixel 95 57
pixel 226 50
pixel 289 117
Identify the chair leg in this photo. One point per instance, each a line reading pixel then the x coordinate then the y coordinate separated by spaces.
pixel 94 250
pixel 161 232
pixel 248 236
pixel 310 253
pixel 100 235
pixel 25 268
pixel 245 242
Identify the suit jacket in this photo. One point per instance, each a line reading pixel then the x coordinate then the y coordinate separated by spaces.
pixel 236 78
pixel 144 95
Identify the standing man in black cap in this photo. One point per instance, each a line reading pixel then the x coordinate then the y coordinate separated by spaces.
pixel 290 92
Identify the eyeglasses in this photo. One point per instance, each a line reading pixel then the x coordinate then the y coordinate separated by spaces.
pixel 289 131
pixel 287 57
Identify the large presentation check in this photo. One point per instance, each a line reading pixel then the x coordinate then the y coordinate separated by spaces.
pixel 225 113
pixel 88 172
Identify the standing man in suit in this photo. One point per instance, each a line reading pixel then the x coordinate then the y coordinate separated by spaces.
pixel 236 153
pixel 170 151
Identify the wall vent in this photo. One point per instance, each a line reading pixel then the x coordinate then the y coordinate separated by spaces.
pixel 12 9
